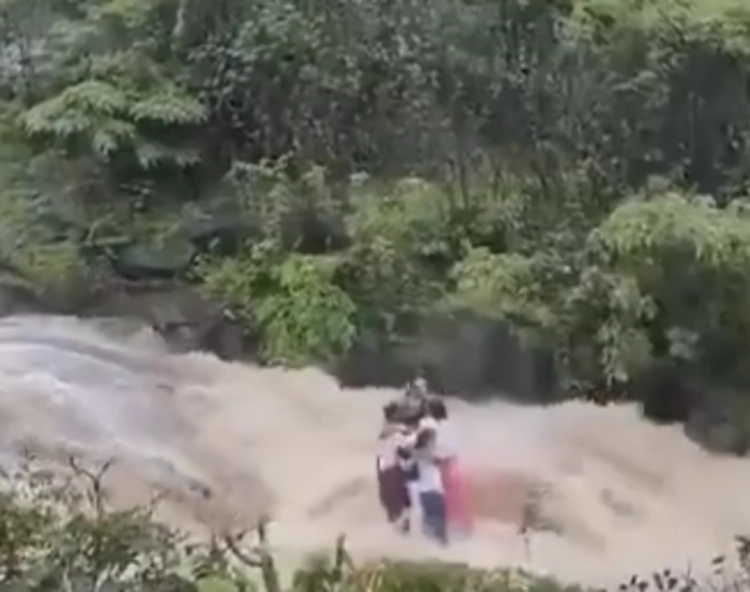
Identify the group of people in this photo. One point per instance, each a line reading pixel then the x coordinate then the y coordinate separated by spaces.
pixel 418 470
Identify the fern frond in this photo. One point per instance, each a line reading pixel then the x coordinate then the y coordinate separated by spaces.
pixel 68 124
pixel 51 118
pixel 111 136
pixel 168 107
pixel 131 13
pixel 151 154
pixel 96 95
pixel 73 111
pixel 185 157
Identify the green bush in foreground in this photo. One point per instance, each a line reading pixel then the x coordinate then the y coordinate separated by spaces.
pixel 58 534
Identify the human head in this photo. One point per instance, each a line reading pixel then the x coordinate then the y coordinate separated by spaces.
pixel 411 420
pixel 425 438
pixel 390 412
pixel 436 409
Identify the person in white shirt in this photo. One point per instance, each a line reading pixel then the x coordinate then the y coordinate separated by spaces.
pixel 430 487
pixel 455 487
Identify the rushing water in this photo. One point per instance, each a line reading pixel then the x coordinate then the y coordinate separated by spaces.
pixel 230 442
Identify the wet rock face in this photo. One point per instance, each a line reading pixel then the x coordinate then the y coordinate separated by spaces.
pixel 717 432
pixel 664 394
pixel 220 231
pixel 138 261
pixel 185 319
pixel 17 301
pixel 17 296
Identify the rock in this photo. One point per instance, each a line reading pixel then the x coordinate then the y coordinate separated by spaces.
pixel 664 394
pixel 221 230
pixel 463 355
pixel 717 432
pixel 17 295
pixel 185 319
pixel 154 261
pixel 727 438
pixel 226 339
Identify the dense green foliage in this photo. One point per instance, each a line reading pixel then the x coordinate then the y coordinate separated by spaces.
pixel 341 174
pixel 345 176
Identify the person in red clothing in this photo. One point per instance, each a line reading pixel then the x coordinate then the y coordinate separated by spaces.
pixel 458 511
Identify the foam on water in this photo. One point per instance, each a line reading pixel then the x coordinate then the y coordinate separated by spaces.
pixel 623 495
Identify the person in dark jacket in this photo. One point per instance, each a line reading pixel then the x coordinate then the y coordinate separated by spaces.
pixel 391 469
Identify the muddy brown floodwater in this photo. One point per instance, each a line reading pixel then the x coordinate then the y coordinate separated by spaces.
pixel 614 494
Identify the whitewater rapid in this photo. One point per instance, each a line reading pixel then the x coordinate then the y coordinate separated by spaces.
pixel 232 442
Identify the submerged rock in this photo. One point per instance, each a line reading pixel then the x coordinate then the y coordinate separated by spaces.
pixel 717 432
